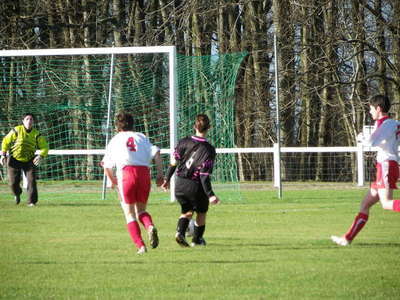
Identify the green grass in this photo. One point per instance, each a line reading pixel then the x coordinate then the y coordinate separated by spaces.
pixel 258 248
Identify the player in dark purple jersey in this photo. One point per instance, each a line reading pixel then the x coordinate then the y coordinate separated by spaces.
pixel 194 161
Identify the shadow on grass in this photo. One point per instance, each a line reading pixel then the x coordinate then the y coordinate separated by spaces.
pixel 82 262
pixel 80 204
pixel 136 262
pixel 148 259
pixel 376 245
pixel 267 246
pixel 315 245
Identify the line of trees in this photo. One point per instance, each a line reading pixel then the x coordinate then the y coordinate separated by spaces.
pixel 333 55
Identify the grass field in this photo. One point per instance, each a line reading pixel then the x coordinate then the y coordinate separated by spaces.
pixel 258 248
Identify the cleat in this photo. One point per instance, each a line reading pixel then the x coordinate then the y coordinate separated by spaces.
pixel 142 250
pixel 200 242
pixel 341 241
pixel 17 199
pixel 31 204
pixel 180 239
pixel 153 237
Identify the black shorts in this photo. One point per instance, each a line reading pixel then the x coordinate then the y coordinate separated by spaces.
pixel 190 195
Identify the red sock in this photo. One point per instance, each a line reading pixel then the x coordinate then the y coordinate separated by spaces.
pixel 359 222
pixel 134 232
pixel 396 205
pixel 145 219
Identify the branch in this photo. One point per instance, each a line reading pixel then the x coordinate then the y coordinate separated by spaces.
pixel 378 15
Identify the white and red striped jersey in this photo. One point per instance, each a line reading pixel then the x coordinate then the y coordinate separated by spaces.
pixel 129 148
pixel 385 136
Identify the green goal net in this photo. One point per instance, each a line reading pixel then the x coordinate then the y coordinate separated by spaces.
pixel 75 97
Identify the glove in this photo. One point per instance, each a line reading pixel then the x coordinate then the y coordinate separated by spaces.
pixel 2 160
pixel 36 160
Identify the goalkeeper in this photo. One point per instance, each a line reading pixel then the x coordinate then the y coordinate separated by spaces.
pixel 21 143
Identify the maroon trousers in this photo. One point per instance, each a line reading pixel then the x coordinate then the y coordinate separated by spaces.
pixel 15 168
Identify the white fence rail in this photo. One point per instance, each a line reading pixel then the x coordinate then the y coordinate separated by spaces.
pixel 359 150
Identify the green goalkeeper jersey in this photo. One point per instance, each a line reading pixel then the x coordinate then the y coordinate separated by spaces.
pixel 23 144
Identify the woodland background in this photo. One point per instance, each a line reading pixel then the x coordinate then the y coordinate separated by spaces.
pixel 333 55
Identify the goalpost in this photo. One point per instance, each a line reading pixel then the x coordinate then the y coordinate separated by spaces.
pixel 169 50
pixel 75 93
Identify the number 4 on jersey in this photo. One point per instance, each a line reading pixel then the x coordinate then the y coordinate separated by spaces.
pixel 131 144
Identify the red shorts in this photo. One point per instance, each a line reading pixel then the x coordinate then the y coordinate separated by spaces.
pixel 387 174
pixel 136 184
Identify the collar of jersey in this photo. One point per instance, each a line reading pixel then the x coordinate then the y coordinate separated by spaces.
pixel 198 138
pixel 381 120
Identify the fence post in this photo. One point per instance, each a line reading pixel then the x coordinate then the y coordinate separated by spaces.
pixel 360 164
pixel 277 168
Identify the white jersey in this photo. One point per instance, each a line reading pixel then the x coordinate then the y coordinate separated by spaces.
pixel 129 148
pixel 385 136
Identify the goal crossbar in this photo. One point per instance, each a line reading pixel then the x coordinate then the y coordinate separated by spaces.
pixel 87 51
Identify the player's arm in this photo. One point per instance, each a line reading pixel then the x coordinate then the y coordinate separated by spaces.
pixel 6 144
pixel 206 183
pixel 43 149
pixel 160 173
pixel 110 174
pixel 155 154
pixel 43 146
pixel 379 135
pixel 172 167
pixel 8 140
pixel 168 176
pixel 205 180
pixel 108 164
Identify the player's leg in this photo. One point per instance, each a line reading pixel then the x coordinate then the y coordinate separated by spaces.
pixel 142 192
pixel 190 229
pixel 14 178
pixel 201 205
pixel 385 196
pixel 133 227
pixel 360 220
pixel 182 225
pixel 184 191
pixel 126 186
pixel 30 173
pixel 199 229
pixel 390 175
pixel 145 218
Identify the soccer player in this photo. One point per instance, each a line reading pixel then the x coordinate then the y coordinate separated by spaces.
pixel 194 160
pixel 386 137
pixel 21 143
pixel 131 153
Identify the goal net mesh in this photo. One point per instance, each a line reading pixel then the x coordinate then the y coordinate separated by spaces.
pixel 69 96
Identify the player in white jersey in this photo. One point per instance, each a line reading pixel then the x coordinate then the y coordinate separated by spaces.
pixel 386 137
pixel 131 153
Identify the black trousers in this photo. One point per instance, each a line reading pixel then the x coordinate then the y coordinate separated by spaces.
pixel 15 168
